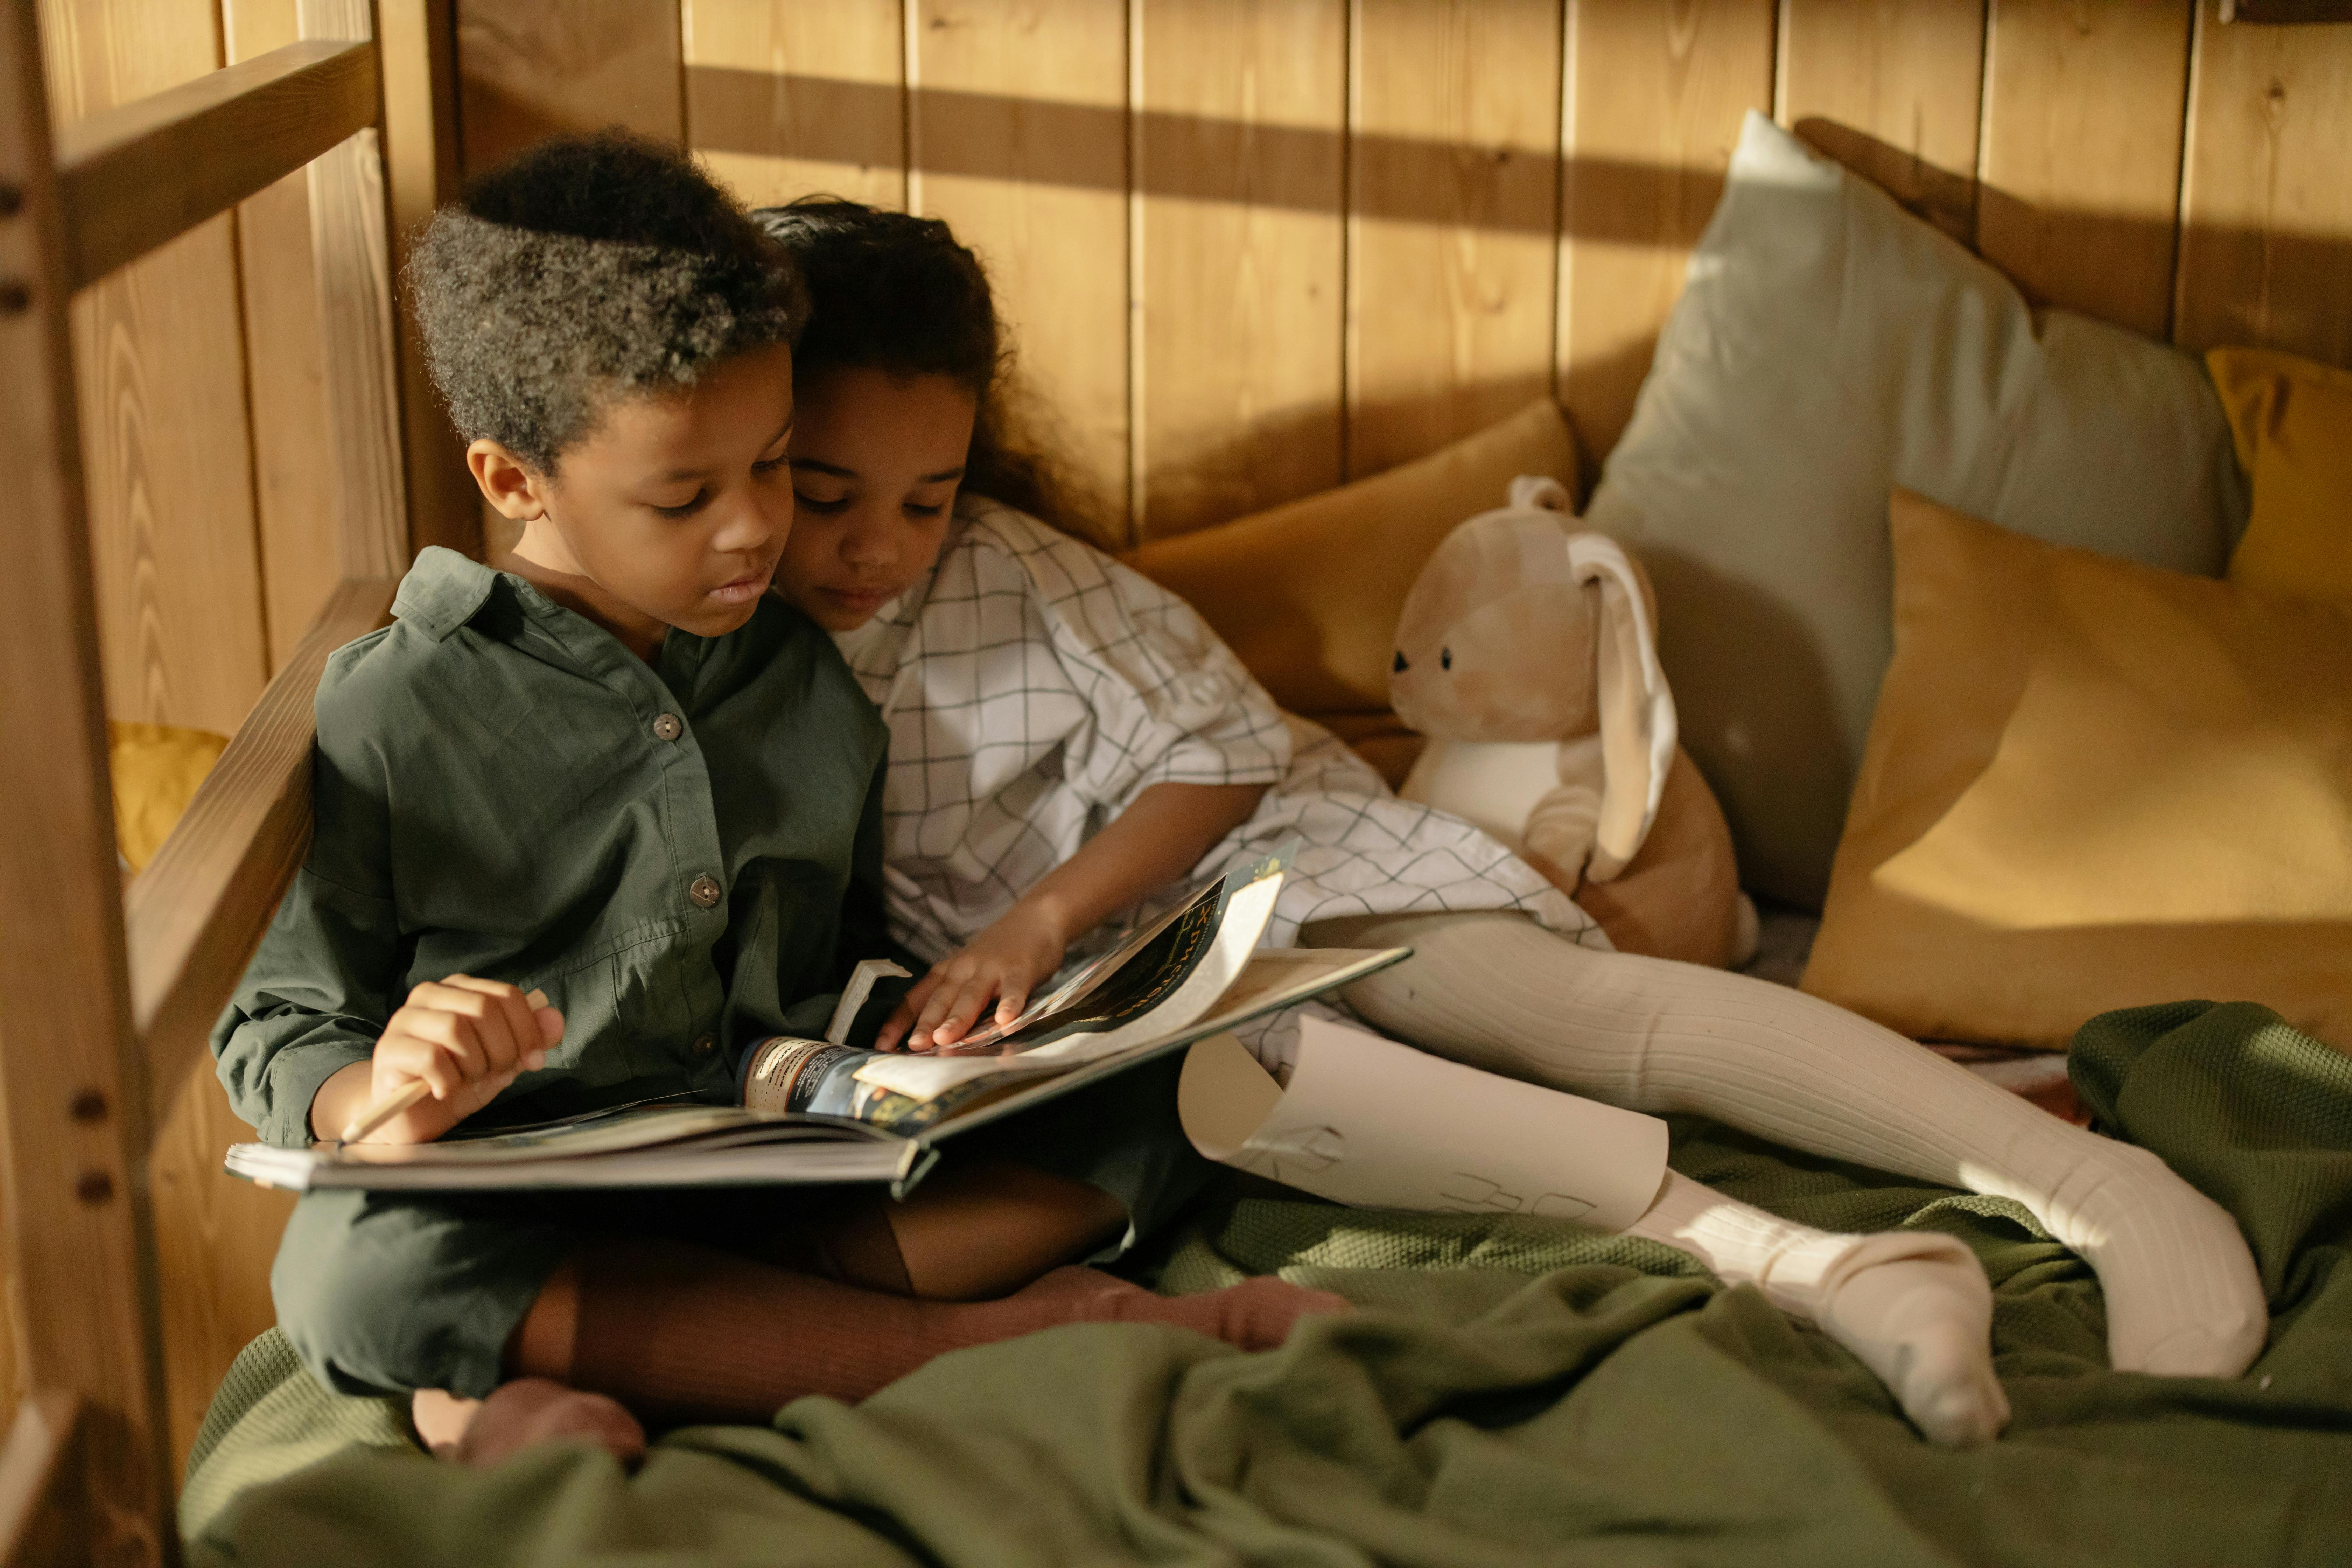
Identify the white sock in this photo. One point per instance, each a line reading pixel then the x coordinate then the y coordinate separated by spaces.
pixel 1912 1305
pixel 1498 991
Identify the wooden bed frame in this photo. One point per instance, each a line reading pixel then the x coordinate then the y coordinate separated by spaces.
pixel 1553 208
pixel 106 999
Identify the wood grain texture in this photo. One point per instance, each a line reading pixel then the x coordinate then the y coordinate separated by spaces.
pixel 1241 279
pixel 1890 88
pixel 215 1237
pixel 2081 157
pixel 44 1504
pixel 1455 107
pixel 196 912
pixel 2266 199
pixel 146 171
pixel 12 1330
pixel 1018 138
pixel 72 1079
pixel 165 435
pixel 528 68
pixel 787 97
pixel 293 463
pixel 351 256
pixel 1656 93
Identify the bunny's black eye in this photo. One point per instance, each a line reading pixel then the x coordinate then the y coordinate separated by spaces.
pixel 1400 666
pixel 1446 658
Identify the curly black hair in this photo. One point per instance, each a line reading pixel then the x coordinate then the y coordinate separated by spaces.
pixel 898 293
pixel 583 267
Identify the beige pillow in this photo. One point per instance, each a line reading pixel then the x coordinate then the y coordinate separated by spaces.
pixel 1309 593
pixel 2292 421
pixel 2092 785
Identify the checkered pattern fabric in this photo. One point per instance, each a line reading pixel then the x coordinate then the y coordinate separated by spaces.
pixel 1035 686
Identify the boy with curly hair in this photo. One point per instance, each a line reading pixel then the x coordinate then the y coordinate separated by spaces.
pixel 588 828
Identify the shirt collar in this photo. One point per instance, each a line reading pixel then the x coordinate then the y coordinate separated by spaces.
pixel 442 592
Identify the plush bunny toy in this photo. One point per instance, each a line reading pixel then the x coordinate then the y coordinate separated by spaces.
pixel 1528 656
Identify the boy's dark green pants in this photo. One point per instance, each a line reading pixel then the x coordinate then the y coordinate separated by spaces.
pixel 385 1292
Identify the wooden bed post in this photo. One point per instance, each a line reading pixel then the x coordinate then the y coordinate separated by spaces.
pixel 71 1072
pixel 103 1008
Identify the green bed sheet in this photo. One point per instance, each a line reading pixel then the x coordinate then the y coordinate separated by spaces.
pixel 1517 1392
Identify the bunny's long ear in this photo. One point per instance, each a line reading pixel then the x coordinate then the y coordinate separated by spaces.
pixel 1637 712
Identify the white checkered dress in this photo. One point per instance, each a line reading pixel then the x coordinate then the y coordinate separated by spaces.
pixel 1035 686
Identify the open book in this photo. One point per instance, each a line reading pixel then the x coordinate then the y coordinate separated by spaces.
pixel 822 1111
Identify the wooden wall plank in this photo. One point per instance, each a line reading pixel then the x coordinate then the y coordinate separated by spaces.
pixel 528 68
pixel 1656 93
pixel 350 254
pixel 1891 90
pixel 160 365
pixel 419 69
pixel 788 96
pixel 1453 198
pixel 1017 132
pixel 2079 170
pixel 2266 200
pixel 1241 107
pixel 293 466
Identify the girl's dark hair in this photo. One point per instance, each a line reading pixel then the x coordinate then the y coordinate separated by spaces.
pixel 584 266
pixel 896 293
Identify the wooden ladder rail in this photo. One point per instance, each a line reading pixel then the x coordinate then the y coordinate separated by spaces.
pixel 102 1016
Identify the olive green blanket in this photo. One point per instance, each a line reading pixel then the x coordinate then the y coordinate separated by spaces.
pixel 1520 1392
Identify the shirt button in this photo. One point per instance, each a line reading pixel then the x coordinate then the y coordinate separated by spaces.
pixel 705 891
pixel 667 728
pixel 706 1045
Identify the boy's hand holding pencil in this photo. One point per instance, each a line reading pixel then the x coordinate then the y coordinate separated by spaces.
pixel 449 1051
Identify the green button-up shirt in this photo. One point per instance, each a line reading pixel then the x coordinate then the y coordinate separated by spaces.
pixel 685 855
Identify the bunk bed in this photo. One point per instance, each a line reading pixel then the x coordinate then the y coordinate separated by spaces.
pixel 1616 1402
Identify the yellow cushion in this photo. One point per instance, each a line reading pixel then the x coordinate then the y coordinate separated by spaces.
pixel 2090 784
pixel 156 770
pixel 2292 421
pixel 1309 593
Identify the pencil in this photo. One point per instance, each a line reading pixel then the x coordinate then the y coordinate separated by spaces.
pixel 385 1109
pixel 401 1099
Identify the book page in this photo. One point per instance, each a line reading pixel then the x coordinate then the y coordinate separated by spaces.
pixel 1211 974
pixel 1370 1122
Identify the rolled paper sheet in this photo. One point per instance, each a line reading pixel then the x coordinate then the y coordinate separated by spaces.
pixel 1373 1123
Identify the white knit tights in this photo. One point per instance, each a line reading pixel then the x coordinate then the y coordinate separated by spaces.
pixel 1912 1305
pixel 1501 993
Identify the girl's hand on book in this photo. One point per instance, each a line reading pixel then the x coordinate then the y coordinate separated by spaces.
pixel 1003 965
pixel 466 1038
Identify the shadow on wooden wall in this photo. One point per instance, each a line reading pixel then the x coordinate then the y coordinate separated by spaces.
pixel 1464 185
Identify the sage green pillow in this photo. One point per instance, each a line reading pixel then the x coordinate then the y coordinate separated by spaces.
pixel 1828 348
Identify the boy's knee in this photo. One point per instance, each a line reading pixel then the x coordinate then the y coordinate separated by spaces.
pixel 383 1295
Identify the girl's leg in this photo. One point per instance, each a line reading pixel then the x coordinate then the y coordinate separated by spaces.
pixel 1496 991
pixel 1912 1305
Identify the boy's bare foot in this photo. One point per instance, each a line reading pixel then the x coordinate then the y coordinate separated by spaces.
pixel 441 1420
pixel 518 1414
